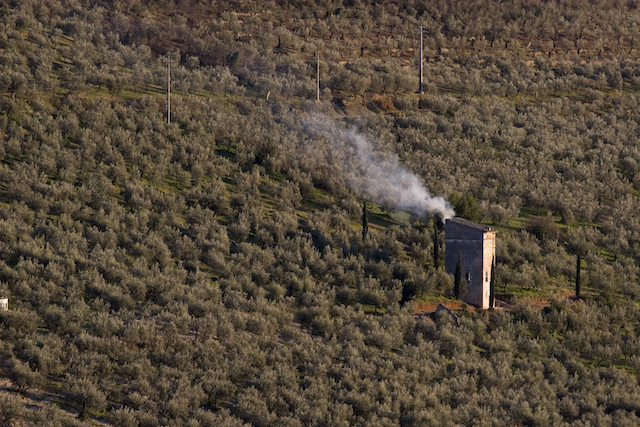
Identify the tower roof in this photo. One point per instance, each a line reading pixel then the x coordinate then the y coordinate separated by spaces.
pixel 470 224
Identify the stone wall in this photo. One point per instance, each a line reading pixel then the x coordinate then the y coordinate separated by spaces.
pixel 476 244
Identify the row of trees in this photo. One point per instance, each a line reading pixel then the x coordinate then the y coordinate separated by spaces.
pixel 128 239
pixel 123 49
pixel 215 271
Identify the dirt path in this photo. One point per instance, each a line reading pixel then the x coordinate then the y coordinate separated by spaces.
pixel 503 302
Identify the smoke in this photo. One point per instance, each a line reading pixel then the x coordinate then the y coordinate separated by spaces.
pixel 374 174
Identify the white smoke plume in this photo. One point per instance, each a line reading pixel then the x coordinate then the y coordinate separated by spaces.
pixel 376 175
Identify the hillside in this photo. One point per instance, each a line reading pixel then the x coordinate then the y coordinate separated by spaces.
pixel 210 268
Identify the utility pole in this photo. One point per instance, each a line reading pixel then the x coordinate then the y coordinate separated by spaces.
pixel 420 89
pixel 169 89
pixel 578 282
pixel 318 78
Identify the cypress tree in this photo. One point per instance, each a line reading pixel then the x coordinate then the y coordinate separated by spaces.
pixel 365 221
pixel 409 290
pixel 457 284
pixel 578 284
pixel 492 285
pixel 436 246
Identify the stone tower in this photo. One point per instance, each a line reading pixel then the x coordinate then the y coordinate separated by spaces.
pixel 477 245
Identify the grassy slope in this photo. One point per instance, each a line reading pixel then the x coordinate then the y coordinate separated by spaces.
pixel 378 218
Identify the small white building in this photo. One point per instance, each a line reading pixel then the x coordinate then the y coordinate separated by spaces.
pixel 4 303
